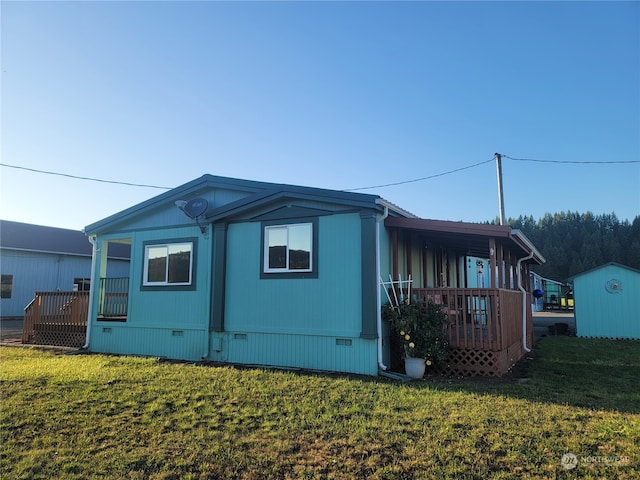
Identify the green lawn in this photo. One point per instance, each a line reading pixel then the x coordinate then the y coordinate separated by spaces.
pixel 95 416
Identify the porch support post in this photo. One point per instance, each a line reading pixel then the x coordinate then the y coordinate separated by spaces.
pixel 500 269
pixel 408 246
pixel 425 265
pixel 508 269
pixel 492 261
pixel 218 270
pixel 394 253
pixel 368 275
pixel 103 251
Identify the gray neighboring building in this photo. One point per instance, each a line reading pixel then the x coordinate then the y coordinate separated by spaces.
pixel 38 258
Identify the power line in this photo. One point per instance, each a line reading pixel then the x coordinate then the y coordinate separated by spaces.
pixel 403 182
pixel 84 178
pixel 420 179
pixel 570 161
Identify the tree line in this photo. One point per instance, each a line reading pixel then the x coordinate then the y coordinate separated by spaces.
pixel 573 243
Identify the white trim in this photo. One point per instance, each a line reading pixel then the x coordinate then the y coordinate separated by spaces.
pixel 286 269
pixel 166 283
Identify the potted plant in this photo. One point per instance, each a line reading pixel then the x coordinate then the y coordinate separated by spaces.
pixel 420 328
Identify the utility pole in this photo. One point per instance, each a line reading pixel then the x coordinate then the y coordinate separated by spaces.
pixel 500 195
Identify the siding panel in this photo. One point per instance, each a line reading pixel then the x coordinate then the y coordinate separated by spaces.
pixel 298 351
pixel 600 313
pixel 165 307
pixel 295 322
pixel 182 344
pixel 329 304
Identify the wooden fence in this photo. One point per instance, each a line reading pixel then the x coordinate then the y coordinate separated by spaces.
pixel 56 318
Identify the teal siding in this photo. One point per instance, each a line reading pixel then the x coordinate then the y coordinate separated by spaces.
pixel 167 214
pixel 327 305
pixel 123 339
pixel 317 352
pixel 156 318
pixel 295 322
pixel 164 308
pixel 602 314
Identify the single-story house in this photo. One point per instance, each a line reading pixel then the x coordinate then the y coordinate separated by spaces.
pixel 36 258
pixel 248 272
pixel 607 302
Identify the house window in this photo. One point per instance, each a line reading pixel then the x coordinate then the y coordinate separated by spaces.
pixel 6 286
pixel 169 264
pixel 288 248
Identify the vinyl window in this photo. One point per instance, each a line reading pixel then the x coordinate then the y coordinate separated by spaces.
pixel 288 248
pixel 168 264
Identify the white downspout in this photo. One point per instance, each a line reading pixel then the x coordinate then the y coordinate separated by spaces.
pixel 378 294
pixel 94 254
pixel 524 302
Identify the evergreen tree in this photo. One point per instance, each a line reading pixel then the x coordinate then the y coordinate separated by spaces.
pixel 572 242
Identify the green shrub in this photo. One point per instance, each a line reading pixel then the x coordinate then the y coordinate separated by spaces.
pixel 421 328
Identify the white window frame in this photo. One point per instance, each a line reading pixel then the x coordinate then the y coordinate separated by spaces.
pixel 286 269
pixel 166 282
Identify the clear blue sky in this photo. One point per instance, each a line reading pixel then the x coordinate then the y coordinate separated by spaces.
pixel 334 95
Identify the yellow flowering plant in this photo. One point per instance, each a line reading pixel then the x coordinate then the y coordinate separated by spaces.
pixel 421 329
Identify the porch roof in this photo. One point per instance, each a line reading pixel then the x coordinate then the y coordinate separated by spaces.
pixel 467 237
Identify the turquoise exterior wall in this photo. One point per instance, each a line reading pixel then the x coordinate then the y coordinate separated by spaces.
pixel 236 313
pixel 312 322
pixel 162 322
pixel 604 311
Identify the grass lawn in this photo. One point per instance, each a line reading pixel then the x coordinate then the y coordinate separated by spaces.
pixel 95 416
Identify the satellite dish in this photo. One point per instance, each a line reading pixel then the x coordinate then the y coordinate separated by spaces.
pixel 196 207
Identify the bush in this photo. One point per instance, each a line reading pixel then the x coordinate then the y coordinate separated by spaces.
pixel 422 330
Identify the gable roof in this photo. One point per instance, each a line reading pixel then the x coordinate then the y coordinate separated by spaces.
pixel 599 267
pixel 258 193
pixel 38 238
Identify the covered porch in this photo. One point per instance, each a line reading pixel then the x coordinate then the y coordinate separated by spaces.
pixel 471 270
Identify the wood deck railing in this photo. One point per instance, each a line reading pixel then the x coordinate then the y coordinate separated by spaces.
pixel 479 318
pixel 56 318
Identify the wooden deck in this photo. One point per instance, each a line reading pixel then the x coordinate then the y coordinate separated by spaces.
pixel 56 318
pixel 60 318
pixel 485 327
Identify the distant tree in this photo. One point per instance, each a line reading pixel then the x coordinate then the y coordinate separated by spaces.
pixel 572 242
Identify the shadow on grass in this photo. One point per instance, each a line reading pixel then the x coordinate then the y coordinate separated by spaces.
pixel 596 374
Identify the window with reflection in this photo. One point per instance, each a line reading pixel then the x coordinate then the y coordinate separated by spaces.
pixel 168 264
pixel 288 248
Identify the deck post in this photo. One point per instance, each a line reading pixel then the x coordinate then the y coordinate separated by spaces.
pixel 492 262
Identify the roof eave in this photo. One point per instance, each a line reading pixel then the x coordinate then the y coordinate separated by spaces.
pixel 527 245
pixel 291 192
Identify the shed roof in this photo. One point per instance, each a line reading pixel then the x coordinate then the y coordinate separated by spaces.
pixel 616 264
pixel 42 239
